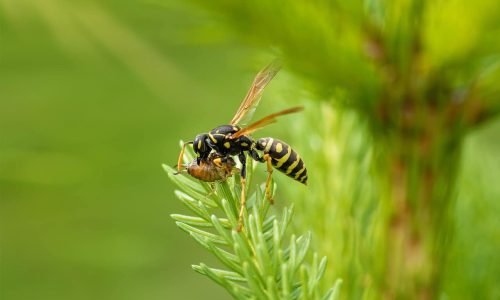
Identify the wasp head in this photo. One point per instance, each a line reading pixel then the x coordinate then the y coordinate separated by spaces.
pixel 200 147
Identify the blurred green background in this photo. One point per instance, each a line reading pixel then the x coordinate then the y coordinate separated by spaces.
pixel 94 96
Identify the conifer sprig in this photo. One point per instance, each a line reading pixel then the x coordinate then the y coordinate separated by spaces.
pixel 263 261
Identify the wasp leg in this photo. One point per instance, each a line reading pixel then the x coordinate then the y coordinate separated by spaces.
pixel 179 162
pixel 212 190
pixel 268 160
pixel 265 158
pixel 243 200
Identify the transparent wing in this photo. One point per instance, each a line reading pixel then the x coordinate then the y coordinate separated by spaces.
pixel 251 100
pixel 265 121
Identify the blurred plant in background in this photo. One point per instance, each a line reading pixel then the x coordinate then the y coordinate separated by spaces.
pixel 403 193
pixel 416 87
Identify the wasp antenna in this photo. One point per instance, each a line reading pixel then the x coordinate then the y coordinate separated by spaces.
pixel 182 143
pixel 181 155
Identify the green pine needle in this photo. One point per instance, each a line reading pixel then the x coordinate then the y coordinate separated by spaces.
pixel 260 262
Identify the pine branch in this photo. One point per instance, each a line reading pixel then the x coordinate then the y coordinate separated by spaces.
pixel 260 262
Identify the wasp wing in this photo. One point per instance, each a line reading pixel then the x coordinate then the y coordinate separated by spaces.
pixel 264 122
pixel 251 100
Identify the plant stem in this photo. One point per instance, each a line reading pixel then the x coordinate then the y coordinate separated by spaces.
pixel 420 172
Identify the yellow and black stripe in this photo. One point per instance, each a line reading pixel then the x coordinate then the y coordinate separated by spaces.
pixel 284 158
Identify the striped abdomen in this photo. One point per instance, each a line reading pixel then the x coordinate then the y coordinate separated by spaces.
pixel 284 158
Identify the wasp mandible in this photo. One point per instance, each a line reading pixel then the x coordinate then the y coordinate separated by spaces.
pixel 233 140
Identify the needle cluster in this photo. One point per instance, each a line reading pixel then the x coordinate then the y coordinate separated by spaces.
pixel 263 261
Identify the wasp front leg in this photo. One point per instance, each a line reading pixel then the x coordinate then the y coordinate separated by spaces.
pixel 243 201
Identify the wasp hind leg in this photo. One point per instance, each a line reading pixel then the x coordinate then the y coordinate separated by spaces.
pixel 268 160
pixel 243 200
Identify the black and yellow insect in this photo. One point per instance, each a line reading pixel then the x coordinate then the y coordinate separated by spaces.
pixel 233 140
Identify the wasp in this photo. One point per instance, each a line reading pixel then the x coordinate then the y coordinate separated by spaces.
pixel 234 139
